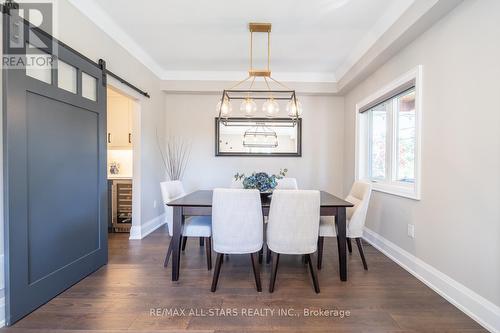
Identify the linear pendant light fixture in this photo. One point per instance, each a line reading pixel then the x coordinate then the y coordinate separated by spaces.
pixel 271 97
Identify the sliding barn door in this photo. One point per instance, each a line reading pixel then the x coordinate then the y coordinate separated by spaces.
pixel 54 122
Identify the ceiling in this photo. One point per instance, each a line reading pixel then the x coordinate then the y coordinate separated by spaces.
pixel 311 41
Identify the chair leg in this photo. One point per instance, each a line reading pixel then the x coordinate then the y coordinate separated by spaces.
pixel 303 259
pixel 314 275
pixel 349 245
pixel 361 253
pixel 184 241
pixel 179 249
pixel 273 272
pixel 321 240
pixel 261 254
pixel 338 245
pixel 269 256
pixel 202 241
pixel 180 242
pixel 256 272
pixel 218 264
pixel 169 252
pixel 208 249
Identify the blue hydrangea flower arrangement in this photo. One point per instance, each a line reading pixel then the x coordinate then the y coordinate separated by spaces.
pixel 261 180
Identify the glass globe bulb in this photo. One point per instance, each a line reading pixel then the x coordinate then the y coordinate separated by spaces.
pixel 292 110
pixel 271 107
pixel 226 108
pixel 249 107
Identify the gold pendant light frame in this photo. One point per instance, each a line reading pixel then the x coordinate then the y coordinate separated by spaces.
pixel 236 92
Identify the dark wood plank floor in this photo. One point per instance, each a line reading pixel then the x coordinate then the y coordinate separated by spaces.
pixel 119 297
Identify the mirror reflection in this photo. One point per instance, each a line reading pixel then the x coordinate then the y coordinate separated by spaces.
pixel 258 137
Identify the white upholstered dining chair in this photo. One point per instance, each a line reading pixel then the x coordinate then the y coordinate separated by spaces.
pixel 293 228
pixel 236 183
pixel 355 219
pixel 194 226
pixel 237 227
pixel 287 183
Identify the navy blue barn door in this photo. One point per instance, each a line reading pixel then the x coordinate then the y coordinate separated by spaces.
pixel 55 196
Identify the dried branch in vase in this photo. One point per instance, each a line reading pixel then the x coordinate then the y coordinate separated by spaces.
pixel 175 155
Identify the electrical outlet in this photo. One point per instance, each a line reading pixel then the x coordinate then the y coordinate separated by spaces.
pixel 411 230
pixel 154 203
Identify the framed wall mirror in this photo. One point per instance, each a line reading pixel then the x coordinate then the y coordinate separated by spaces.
pixel 258 137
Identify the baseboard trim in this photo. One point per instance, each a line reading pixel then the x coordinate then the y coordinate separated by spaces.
pixel 141 231
pixel 472 304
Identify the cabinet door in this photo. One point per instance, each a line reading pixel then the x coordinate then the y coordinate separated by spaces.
pixel 111 110
pixel 118 123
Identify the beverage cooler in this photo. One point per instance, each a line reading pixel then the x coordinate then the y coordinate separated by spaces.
pixel 120 205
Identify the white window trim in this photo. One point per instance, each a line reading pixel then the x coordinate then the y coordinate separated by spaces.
pixel 400 189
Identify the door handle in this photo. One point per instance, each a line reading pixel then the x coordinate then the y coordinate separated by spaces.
pixel 109 137
pixel 130 138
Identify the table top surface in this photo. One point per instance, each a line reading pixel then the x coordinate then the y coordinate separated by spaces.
pixel 203 198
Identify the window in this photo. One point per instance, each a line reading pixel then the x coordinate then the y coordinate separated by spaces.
pixel 388 135
pixel 40 64
pixel 405 137
pixel 89 87
pixel 66 76
pixel 378 141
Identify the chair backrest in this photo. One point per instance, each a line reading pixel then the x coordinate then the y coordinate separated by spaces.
pixel 293 221
pixel 356 216
pixel 287 184
pixel 171 190
pixel 237 183
pixel 237 224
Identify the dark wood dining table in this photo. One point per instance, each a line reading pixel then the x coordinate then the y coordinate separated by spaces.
pixel 199 203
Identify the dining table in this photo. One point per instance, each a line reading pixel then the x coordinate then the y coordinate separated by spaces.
pixel 199 203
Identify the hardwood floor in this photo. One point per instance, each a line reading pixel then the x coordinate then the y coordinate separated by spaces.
pixel 120 296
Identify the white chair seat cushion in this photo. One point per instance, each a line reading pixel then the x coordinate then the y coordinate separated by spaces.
pixel 197 226
pixel 355 216
pixel 327 226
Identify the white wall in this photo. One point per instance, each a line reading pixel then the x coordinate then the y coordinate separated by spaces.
pixel 320 167
pixel 457 222
pixel 80 33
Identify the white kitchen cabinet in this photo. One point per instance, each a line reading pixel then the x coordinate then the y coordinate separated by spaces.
pixel 119 123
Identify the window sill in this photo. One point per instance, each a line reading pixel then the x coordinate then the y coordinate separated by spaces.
pixel 409 192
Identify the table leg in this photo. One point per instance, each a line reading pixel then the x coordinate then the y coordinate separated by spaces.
pixel 342 236
pixel 176 238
